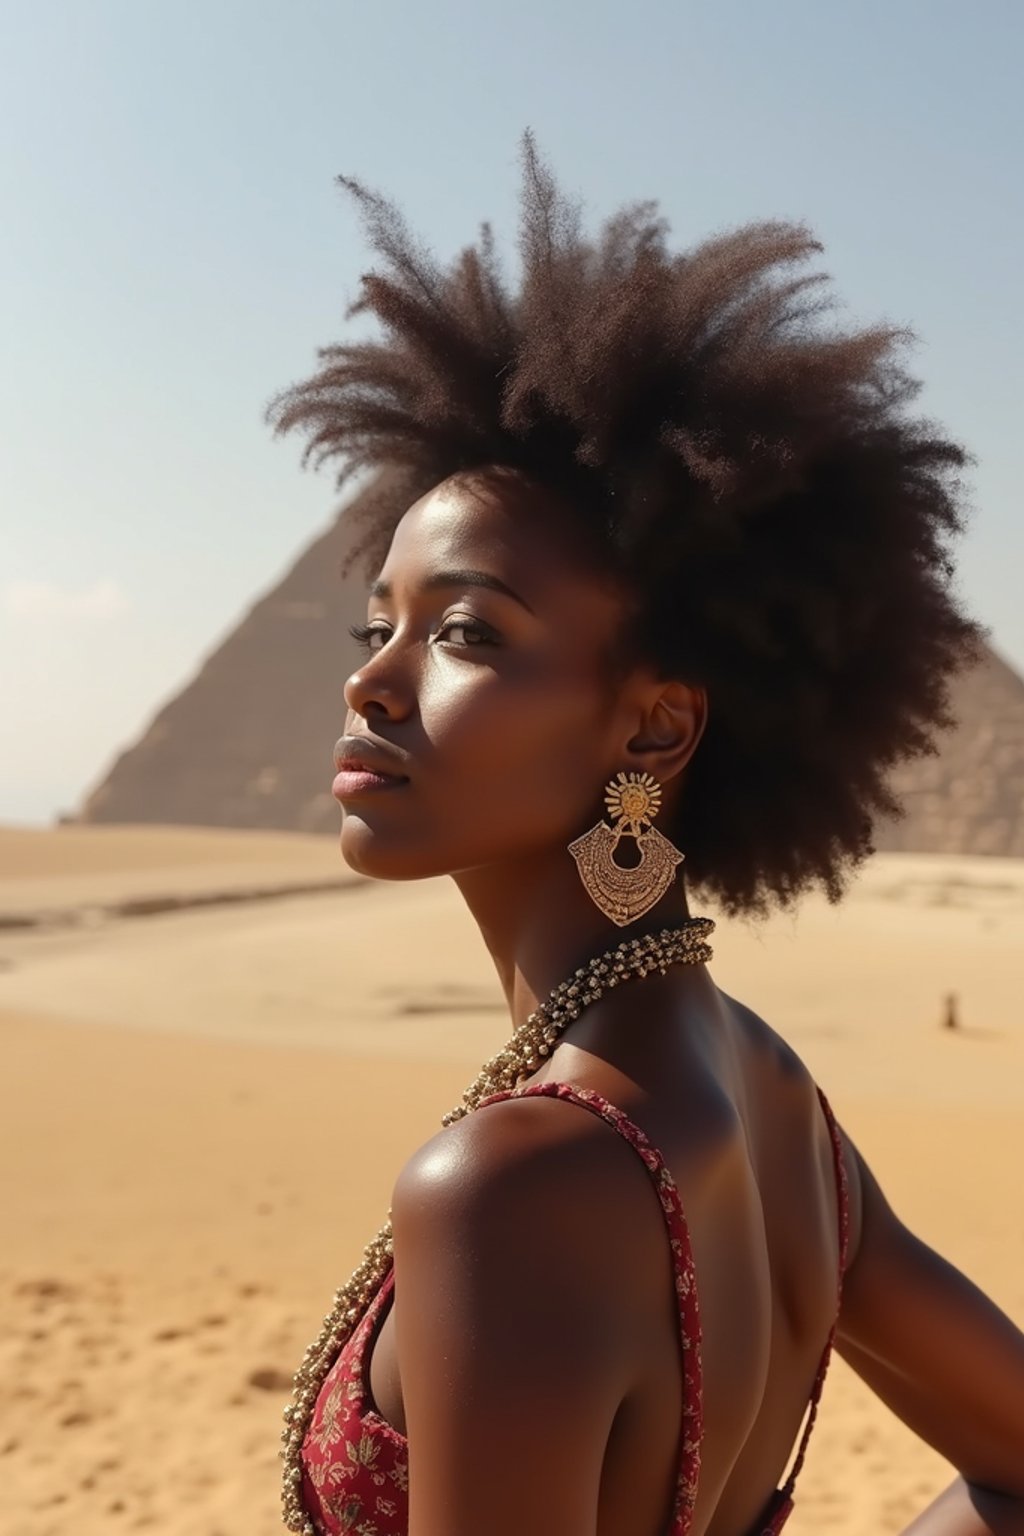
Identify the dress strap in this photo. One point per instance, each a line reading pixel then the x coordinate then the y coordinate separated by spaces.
pixel 685 1279
pixel 843 1204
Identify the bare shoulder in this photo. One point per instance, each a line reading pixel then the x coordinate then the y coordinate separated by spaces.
pixel 545 1177
pixel 791 1093
pixel 773 1049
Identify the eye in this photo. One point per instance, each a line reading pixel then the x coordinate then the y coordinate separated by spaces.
pixel 468 633
pixel 474 633
pixel 364 633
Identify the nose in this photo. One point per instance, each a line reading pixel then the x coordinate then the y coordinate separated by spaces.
pixel 377 687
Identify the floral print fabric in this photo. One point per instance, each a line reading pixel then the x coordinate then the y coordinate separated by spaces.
pixel 356 1465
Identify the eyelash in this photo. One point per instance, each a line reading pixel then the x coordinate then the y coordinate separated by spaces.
pixel 363 632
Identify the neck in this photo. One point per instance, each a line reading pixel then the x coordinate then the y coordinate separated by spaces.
pixel 539 924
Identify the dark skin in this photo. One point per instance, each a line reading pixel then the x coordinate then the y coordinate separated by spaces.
pixel 530 1354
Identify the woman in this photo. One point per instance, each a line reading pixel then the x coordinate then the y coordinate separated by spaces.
pixel 654 545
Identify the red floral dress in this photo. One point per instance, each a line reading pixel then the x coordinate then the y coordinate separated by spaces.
pixel 356 1465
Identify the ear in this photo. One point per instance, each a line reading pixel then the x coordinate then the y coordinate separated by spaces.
pixel 673 715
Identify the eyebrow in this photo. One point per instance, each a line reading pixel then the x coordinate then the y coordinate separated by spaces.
pixel 381 588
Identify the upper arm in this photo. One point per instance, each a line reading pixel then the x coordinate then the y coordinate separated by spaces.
pixel 943 1356
pixel 509 1321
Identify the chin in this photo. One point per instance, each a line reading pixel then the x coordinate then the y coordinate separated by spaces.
pixel 369 852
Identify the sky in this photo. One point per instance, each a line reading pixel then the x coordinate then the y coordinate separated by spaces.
pixel 173 249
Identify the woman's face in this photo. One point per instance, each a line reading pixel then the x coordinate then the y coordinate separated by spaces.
pixel 487 683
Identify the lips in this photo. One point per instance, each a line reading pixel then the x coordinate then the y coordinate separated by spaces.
pixel 364 754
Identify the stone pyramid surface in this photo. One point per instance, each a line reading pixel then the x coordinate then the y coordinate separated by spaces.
pixel 970 797
pixel 248 741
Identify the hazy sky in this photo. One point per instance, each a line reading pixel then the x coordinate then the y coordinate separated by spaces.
pixel 173 249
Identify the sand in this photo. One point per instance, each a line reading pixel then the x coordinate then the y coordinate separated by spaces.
pixel 186 1093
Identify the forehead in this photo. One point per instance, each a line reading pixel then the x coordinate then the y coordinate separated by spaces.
pixel 503 524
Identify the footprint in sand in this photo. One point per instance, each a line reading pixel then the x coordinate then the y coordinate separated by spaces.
pixel 169 1335
pixel 46 1290
pixel 267 1378
pixel 75 1419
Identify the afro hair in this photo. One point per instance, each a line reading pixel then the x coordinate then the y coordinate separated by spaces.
pixel 751 472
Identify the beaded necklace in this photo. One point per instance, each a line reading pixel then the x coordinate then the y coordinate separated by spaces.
pixel 523 1054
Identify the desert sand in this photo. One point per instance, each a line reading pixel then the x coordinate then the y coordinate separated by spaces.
pixel 206 1099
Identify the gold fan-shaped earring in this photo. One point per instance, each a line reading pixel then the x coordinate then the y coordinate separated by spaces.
pixel 633 801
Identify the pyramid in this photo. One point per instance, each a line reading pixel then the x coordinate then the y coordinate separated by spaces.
pixel 248 741
pixel 970 797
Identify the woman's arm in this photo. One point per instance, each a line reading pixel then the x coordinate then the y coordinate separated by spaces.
pixel 966 1511
pixel 943 1357
pixel 512 1370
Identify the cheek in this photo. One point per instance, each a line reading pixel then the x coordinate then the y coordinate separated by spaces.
pixel 508 762
pixel 523 749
